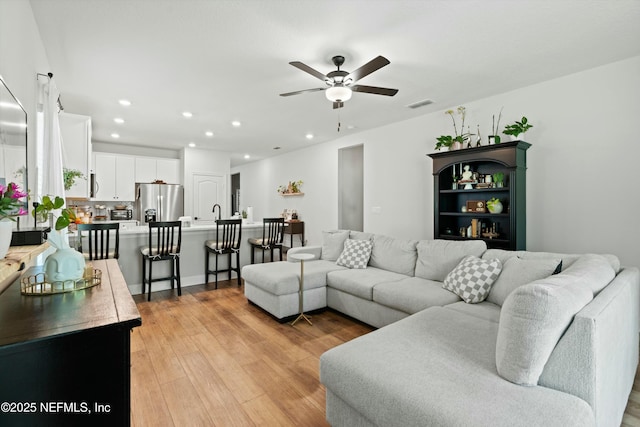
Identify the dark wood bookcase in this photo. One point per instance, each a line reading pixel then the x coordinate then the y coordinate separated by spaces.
pixel 509 158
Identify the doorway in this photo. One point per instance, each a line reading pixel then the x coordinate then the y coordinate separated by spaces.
pixel 235 193
pixel 351 188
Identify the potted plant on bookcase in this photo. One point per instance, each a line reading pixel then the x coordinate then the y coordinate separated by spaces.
pixel 517 128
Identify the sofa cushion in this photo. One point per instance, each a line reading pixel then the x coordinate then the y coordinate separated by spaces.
pixel 517 272
pixel 395 255
pixel 282 277
pixel 412 294
pixel 591 270
pixel 483 310
pixel 360 282
pixel 360 235
pixel 436 258
pixel 567 259
pixel 472 278
pixel 533 318
pixel 355 254
pixel 437 368
pixel 333 244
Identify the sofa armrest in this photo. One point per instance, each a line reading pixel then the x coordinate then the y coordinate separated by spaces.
pixel 316 251
pixel 597 357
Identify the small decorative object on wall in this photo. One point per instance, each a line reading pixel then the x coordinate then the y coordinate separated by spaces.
pixel 517 128
pixel 292 188
pixel 69 176
pixel 494 205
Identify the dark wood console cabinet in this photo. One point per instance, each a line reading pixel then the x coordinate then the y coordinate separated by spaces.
pixel 65 358
pixel 509 158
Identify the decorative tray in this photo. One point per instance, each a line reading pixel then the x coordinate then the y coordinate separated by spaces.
pixel 36 284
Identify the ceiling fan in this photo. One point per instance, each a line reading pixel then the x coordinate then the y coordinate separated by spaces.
pixel 340 83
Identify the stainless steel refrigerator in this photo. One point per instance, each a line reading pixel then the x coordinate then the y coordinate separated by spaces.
pixel 159 202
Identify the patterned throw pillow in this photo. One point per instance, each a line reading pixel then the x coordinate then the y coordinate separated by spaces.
pixel 356 253
pixel 472 278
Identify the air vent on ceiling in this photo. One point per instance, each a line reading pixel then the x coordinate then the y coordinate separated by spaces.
pixel 420 103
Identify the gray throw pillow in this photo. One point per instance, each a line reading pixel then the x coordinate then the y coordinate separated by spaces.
pixel 517 272
pixel 333 244
pixel 356 254
pixel 471 280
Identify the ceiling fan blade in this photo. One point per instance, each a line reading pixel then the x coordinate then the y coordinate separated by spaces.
pixel 368 68
pixel 375 90
pixel 338 105
pixel 304 67
pixel 302 91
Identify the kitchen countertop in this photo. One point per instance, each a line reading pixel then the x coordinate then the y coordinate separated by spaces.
pixel 195 226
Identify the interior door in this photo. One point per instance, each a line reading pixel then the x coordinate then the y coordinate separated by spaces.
pixel 208 189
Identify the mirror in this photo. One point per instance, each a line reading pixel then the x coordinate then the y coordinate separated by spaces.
pixel 13 139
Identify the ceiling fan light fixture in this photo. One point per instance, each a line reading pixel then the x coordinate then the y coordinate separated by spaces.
pixel 338 93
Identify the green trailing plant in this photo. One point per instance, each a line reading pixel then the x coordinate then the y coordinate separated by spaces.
pixel 492 204
pixel 48 205
pixel 517 128
pixel 69 176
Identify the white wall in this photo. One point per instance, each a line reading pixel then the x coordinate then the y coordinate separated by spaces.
pixel 581 194
pixel 22 56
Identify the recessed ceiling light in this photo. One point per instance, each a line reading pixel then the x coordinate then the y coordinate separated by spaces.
pixel 125 102
pixel 192 144
pixel 246 156
pixel 236 123
pixel 119 120
pixel 115 135
pixel 187 114
pixel 209 133
pixel 309 136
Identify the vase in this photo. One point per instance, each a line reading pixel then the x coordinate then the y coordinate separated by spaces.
pixel 495 208
pixel 6 229
pixel 456 145
pixel 64 264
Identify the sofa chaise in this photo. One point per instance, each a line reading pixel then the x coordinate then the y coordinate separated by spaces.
pixel 467 336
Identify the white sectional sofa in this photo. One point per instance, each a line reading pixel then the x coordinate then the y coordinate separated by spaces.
pixel 555 342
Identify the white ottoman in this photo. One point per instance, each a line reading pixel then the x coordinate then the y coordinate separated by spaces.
pixel 274 286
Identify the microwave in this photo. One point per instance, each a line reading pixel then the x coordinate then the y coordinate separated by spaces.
pixel 121 214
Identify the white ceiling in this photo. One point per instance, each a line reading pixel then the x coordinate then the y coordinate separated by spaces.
pixel 227 60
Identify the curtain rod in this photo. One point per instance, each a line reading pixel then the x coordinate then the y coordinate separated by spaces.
pixel 49 75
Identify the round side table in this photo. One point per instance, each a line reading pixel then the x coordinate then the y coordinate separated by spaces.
pixel 302 258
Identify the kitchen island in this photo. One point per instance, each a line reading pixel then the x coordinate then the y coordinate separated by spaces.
pixel 192 254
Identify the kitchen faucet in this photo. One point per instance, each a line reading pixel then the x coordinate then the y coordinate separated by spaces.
pixel 219 210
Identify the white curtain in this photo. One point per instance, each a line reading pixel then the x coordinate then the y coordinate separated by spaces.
pixel 50 179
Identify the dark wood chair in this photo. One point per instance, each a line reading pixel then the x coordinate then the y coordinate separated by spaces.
pixel 165 238
pixel 272 235
pixel 227 241
pixel 103 240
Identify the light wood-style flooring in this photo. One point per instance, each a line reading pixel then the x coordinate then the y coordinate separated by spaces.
pixel 208 358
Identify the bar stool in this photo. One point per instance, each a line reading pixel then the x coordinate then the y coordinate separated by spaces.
pixel 227 241
pixel 272 235
pixel 101 244
pixel 164 245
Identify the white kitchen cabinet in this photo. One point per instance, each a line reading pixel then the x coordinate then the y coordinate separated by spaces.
pixel 115 177
pixel 76 139
pixel 151 169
